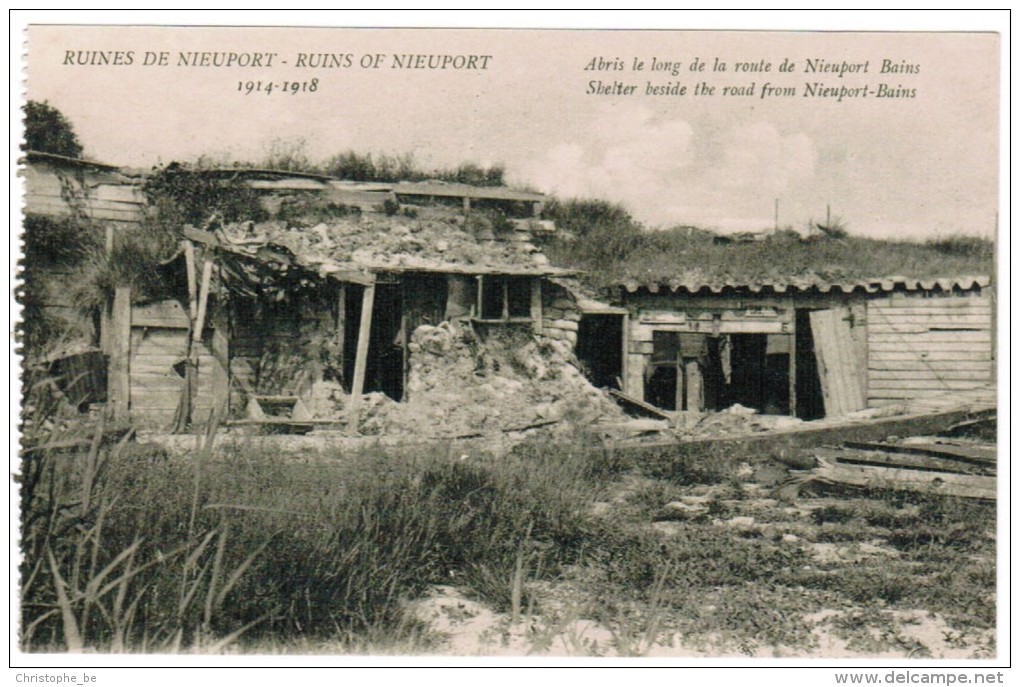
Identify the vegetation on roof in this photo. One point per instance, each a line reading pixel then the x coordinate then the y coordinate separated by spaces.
pixel 604 241
pixel 178 196
pixel 352 165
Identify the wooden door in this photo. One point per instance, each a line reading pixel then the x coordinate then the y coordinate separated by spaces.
pixel 842 373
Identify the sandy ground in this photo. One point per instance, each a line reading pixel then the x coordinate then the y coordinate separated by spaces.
pixel 469 628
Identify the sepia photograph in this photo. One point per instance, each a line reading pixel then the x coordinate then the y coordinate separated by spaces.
pixel 483 342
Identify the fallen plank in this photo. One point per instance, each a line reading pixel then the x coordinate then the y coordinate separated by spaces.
pixel 507 430
pixel 639 405
pixel 979 455
pixel 634 426
pixel 786 444
pixel 946 483
pixel 909 461
pixel 286 421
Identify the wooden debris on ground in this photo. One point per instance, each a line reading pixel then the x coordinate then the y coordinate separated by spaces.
pixel 918 464
pixel 639 406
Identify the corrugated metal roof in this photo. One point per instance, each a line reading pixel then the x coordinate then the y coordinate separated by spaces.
pixel 860 285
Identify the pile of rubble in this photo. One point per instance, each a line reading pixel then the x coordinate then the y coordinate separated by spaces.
pixel 739 420
pixel 438 239
pixel 461 385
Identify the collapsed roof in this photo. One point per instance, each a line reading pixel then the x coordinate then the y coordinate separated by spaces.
pixel 354 247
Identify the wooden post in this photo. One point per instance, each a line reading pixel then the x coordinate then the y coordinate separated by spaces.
pixel 189 263
pixel 341 327
pixel 678 403
pixel 625 359
pixel 198 324
pixel 119 341
pixel 361 357
pixel 405 360
pixel 203 300
pixel 197 311
pixel 793 364
pixel 404 337
pixel 506 299
pixel 220 377
pixel 695 389
pixel 481 285
pixel 467 205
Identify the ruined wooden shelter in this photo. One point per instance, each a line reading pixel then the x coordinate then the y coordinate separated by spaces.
pixel 809 349
pixel 326 290
pixel 330 289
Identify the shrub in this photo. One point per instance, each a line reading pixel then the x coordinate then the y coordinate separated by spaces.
pixel 185 194
pixel 134 261
pixel 48 130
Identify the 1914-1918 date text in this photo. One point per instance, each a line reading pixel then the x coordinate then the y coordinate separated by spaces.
pixel 268 87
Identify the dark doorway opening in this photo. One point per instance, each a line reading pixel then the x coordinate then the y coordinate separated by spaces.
pixel 384 369
pixel 675 379
pixel 810 402
pixel 699 372
pixel 385 366
pixel 759 372
pixel 600 349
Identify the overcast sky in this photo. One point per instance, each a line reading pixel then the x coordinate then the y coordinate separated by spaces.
pixel 895 167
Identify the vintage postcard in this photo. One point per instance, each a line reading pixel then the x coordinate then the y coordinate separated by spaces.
pixel 506 343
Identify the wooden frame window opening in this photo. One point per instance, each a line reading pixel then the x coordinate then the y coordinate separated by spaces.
pixel 504 299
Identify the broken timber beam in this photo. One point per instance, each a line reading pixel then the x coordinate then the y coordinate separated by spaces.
pixel 119 341
pixel 361 357
pixel 900 479
pixel 851 456
pixel 786 444
pixel 646 408
pixel 978 455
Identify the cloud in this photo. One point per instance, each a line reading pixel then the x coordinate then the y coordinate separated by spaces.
pixel 668 171
pixel 624 154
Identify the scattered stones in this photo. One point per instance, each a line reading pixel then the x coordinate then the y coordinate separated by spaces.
pixel 741 522
pixel 504 382
pixel 684 511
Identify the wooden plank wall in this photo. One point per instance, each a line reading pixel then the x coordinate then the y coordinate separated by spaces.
pixel 155 387
pixel 925 343
pixel 48 189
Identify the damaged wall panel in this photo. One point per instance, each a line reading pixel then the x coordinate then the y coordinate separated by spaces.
pixel 159 339
pixel 842 373
pixel 928 342
pixel 282 347
pixel 721 334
